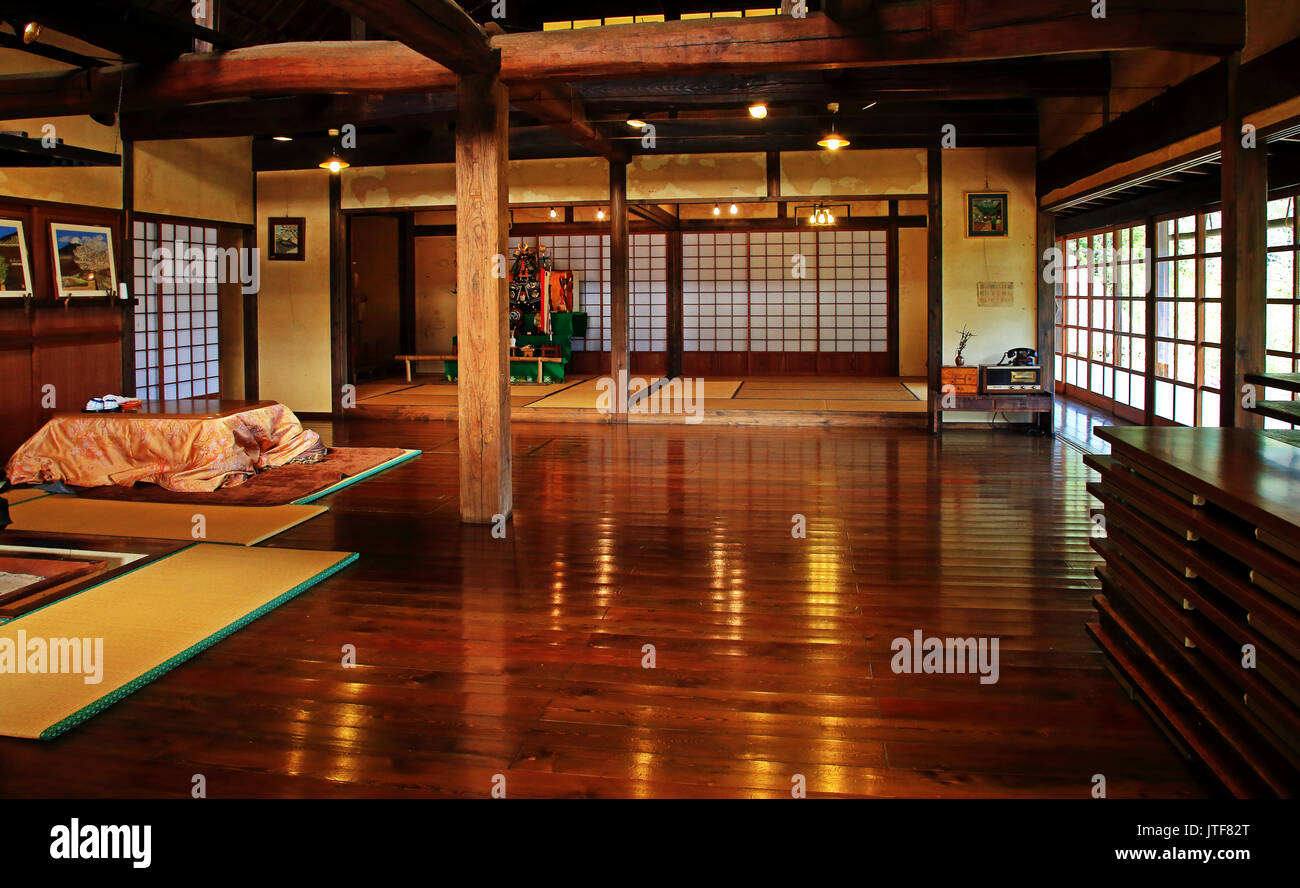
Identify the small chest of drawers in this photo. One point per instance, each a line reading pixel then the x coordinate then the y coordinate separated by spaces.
pixel 964 380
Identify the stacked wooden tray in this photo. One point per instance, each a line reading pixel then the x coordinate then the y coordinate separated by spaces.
pixel 1200 604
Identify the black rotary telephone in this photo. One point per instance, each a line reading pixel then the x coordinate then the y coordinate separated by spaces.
pixel 1020 357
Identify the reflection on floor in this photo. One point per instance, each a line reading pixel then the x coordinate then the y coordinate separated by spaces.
pixel 722 399
pixel 1078 422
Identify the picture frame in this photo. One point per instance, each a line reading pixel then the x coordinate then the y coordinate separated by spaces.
pixel 85 261
pixel 15 262
pixel 986 213
pixel 286 238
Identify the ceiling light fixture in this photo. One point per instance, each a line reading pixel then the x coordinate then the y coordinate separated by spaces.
pixel 636 122
pixel 31 33
pixel 734 209
pixel 833 141
pixel 334 163
pixel 282 138
pixel 332 131
pixel 600 215
pixel 553 213
pixel 758 111
pixel 717 210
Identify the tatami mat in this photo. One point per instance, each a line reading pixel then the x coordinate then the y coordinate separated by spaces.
pixel 240 525
pixel 21 496
pixel 143 624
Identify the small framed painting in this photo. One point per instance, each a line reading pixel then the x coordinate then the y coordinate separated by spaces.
pixel 15 267
pixel 986 214
pixel 287 237
pixel 83 260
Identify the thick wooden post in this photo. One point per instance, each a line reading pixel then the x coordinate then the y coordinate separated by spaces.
pixel 675 336
pixel 619 363
pixel 1045 241
pixel 340 304
pixel 482 326
pixel 1244 192
pixel 934 273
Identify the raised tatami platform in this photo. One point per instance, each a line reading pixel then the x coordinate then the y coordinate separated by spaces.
pixel 749 400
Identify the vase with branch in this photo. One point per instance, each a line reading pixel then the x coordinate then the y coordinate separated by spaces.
pixel 965 335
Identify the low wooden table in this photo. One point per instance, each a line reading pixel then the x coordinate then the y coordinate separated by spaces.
pixel 186 408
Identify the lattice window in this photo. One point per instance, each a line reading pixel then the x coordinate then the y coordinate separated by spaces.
pixel 648 292
pixel 587 256
pixel 852 290
pixel 177 351
pixel 1282 329
pixel 715 291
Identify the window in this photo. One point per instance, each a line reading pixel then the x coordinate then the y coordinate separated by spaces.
pixel 587 256
pixel 1282 328
pixel 648 292
pixel 1188 299
pixel 177 354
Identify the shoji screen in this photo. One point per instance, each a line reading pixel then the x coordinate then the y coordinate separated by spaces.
pixel 783 307
pixel 177 353
pixel 715 292
pixel 852 313
pixel 648 292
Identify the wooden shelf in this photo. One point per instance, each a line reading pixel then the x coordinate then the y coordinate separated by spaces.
pixel 1288 381
pixel 1284 411
pixel 1009 402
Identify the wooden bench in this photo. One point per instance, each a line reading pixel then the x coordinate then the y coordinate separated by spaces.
pixel 540 359
pixel 409 358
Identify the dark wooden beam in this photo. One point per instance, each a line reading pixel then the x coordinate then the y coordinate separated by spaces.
pixel 340 303
pixel 288 116
pixel 1186 109
pixel 848 12
pixel 656 216
pixel 482 310
pixel 941 30
pixel 619 266
pixel 1045 242
pixel 123 28
pixel 21 151
pixel 45 50
pixel 559 106
pixel 934 287
pixel 437 29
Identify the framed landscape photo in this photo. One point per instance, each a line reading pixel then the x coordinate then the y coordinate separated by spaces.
pixel 15 266
pixel 986 214
pixel 83 260
pixel 287 238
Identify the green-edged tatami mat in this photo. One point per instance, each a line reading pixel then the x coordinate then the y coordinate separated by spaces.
pixel 353 479
pixel 241 525
pixel 144 623
pixel 14 497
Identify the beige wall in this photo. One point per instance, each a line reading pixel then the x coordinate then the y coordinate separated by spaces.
pixel 969 260
pixel 196 178
pixel 819 173
pixel 293 306
pixel 913 295
pixel 92 186
pixel 230 297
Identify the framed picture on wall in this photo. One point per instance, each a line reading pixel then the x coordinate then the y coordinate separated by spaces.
pixel 15 267
pixel 84 263
pixel 287 237
pixel 986 214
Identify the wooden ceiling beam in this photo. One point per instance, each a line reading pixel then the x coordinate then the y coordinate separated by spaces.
pixel 119 26
pixel 437 29
pixel 559 106
pixel 717 46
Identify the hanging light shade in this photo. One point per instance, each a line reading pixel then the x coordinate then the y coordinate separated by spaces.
pixel 636 121
pixel 832 141
pixel 31 33
pixel 334 163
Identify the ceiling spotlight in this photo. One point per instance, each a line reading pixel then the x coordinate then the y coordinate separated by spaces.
pixel 868 107
pixel 636 122
pixel 31 33
pixel 600 215
pixel 758 111
pixel 333 132
pixel 717 210
pixel 334 163
pixel 734 209
pixel 553 213
pixel 283 138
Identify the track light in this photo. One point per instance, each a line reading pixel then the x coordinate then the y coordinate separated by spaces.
pixel 717 210
pixel 31 33
pixel 553 213
pixel 734 209
pixel 758 111
pixel 600 215
pixel 334 163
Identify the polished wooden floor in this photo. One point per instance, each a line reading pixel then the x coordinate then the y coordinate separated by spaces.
pixel 523 657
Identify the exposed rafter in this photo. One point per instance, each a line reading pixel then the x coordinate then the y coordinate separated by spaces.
pixel 558 105
pixel 118 26
pixel 437 29
pixel 907 35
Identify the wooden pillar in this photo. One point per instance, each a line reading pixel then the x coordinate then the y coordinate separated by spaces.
pixel 892 275
pixel 1152 270
pixel 406 283
pixel 339 302
pixel 1046 344
pixel 125 267
pixel 934 280
pixel 675 335
pixel 619 363
pixel 1244 192
pixel 482 324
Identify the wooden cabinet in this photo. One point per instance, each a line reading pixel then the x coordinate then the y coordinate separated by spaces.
pixel 1199 610
pixel 965 380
